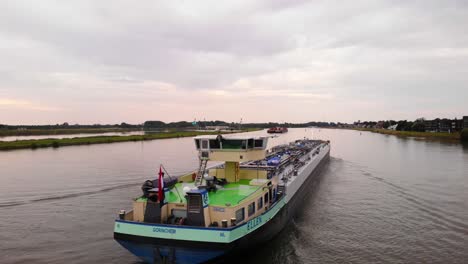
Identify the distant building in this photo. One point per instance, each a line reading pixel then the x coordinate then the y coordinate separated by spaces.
pixel 380 125
pixel 445 125
pixel 457 124
pixel 431 125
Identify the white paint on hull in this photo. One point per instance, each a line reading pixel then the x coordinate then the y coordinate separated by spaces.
pixel 295 182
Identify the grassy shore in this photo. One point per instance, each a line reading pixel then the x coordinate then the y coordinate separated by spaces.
pixel 55 143
pixel 430 135
pixel 71 131
pixel 61 131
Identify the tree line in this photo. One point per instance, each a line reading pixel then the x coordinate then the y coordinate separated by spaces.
pixel 66 125
pixel 171 125
pixel 403 125
pixel 232 125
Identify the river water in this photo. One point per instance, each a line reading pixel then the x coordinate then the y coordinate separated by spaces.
pixel 15 138
pixel 381 199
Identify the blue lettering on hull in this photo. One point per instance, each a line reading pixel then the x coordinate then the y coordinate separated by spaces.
pixel 164 230
pixel 254 223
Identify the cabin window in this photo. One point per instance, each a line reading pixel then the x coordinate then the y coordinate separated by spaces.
pixel 260 203
pixel 274 194
pixel 197 142
pixel 244 144
pixel 250 143
pixel 266 197
pixel 258 143
pixel 179 213
pixel 251 209
pixel 240 215
pixel 214 144
pixel 204 144
pixel 233 144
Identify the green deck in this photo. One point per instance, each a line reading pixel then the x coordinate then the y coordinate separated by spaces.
pixel 232 193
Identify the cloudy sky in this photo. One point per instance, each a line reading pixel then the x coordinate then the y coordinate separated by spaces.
pixel 111 61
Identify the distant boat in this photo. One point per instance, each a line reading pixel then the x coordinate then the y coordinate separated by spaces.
pixel 277 130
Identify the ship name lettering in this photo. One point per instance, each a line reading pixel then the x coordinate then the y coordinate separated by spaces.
pixel 254 223
pixel 164 230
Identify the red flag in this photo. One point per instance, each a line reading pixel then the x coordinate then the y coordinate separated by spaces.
pixel 161 187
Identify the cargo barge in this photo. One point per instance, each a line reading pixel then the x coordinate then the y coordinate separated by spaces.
pixel 239 204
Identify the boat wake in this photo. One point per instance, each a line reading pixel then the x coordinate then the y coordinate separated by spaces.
pixel 66 196
pixel 437 215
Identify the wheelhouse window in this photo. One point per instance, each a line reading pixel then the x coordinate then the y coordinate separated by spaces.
pixel 260 203
pixel 214 144
pixel 250 143
pixel 240 215
pixel 233 144
pixel 204 144
pixel 197 142
pixel 258 143
pixel 244 144
pixel 251 209
pixel 266 197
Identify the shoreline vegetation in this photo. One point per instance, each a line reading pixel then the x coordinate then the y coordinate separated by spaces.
pixel 428 135
pixel 64 131
pixel 55 143
pixel 464 135
pixel 150 126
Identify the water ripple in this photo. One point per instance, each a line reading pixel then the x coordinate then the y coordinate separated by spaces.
pixel 66 196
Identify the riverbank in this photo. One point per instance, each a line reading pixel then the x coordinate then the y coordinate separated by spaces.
pixel 428 135
pixel 62 131
pixel 55 143
pixel 464 135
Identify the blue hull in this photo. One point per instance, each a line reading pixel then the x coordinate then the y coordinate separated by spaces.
pixel 149 253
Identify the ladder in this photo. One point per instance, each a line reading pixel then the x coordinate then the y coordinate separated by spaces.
pixel 201 171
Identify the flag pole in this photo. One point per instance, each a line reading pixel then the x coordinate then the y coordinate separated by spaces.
pixel 164 168
pixel 161 194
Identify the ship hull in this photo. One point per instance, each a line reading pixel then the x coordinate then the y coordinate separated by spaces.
pixel 277 130
pixel 160 250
